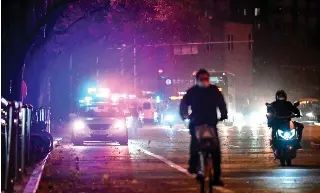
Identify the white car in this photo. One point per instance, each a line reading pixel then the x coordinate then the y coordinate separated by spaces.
pixel 101 122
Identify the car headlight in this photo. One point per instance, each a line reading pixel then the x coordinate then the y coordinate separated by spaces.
pixel 155 116
pixel 310 114
pixel 119 124
pixel 239 116
pixel 287 134
pixel 254 119
pixel 169 118
pixel 78 125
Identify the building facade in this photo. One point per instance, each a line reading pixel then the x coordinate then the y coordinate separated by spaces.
pixel 227 48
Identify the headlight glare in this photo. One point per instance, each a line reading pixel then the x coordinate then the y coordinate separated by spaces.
pixel 169 118
pixel 287 134
pixel 78 125
pixel 310 114
pixel 119 124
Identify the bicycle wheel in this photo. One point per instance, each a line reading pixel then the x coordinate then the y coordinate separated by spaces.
pixel 201 177
pixel 209 173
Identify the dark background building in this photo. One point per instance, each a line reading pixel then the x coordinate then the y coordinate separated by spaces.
pixel 286 47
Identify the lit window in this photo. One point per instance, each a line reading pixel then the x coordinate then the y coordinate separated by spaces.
pixel 244 11
pixel 257 11
pixel 258 25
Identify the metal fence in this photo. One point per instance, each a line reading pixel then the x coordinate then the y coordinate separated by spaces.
pixel 43 115
pixel 17 140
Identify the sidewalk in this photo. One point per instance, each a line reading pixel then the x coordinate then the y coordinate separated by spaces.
pixel 31 181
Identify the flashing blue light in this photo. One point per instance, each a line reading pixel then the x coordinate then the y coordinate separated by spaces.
pixel 87 99
pixel 157 99
pixel 92 90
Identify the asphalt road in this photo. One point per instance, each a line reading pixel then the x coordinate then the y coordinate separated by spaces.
pixel 156 160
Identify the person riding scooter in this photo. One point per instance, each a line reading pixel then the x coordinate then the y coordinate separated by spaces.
pixel 282 108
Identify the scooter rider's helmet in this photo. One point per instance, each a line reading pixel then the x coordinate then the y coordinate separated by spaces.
pixel 281 95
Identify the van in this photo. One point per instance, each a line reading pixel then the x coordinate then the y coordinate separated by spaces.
pixel 148 110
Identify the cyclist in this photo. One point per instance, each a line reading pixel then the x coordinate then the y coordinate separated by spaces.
pixel 204 99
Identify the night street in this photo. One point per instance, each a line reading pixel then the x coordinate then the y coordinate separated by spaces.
pixel 97 96
pixel 156 161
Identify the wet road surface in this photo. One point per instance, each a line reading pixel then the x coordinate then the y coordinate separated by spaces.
pixel 156 160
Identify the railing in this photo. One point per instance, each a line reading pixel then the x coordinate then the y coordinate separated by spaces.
pixel 43 115
pixel 15 144
pixel 18 141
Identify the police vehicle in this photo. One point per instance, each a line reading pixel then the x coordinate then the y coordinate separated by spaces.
pixel 99 120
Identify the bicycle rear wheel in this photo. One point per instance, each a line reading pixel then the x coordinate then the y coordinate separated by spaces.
pixel 209 173
pixel 201 174
pixel 206 180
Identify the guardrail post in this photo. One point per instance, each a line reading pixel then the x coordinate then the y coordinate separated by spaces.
pixel 44 115
pixel 11 170
pixel 4 143
pixel 48 116
pixel 22 140
pixel 28 134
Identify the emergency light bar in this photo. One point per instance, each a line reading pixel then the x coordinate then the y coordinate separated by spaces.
pixel 99 92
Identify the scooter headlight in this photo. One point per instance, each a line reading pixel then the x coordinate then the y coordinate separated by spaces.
pixel 287 134
pixel 169 118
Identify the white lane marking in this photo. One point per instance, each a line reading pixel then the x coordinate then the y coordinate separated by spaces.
pixel 34 180
pixel 168 162
pixel 184 130
pixel 276 178
pixel 177 167
pixel 234 146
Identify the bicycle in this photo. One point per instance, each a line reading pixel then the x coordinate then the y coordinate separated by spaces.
pixel 208 143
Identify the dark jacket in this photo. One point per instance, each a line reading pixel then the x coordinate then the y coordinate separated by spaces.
pixel 204 103
pixel 281 109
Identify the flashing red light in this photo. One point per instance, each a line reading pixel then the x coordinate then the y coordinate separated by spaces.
pixel 160 71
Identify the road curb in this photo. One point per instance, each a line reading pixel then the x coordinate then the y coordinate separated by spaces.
pixel 34 179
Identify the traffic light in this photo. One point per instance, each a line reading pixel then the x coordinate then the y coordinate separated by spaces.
pixel 160 72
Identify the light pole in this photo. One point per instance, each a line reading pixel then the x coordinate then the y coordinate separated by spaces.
pixel 134 65
pixel 122 60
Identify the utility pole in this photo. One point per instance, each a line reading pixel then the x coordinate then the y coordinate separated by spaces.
pixel 70 84
pixel 134 65
pixel 97 66
pixel 122 60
